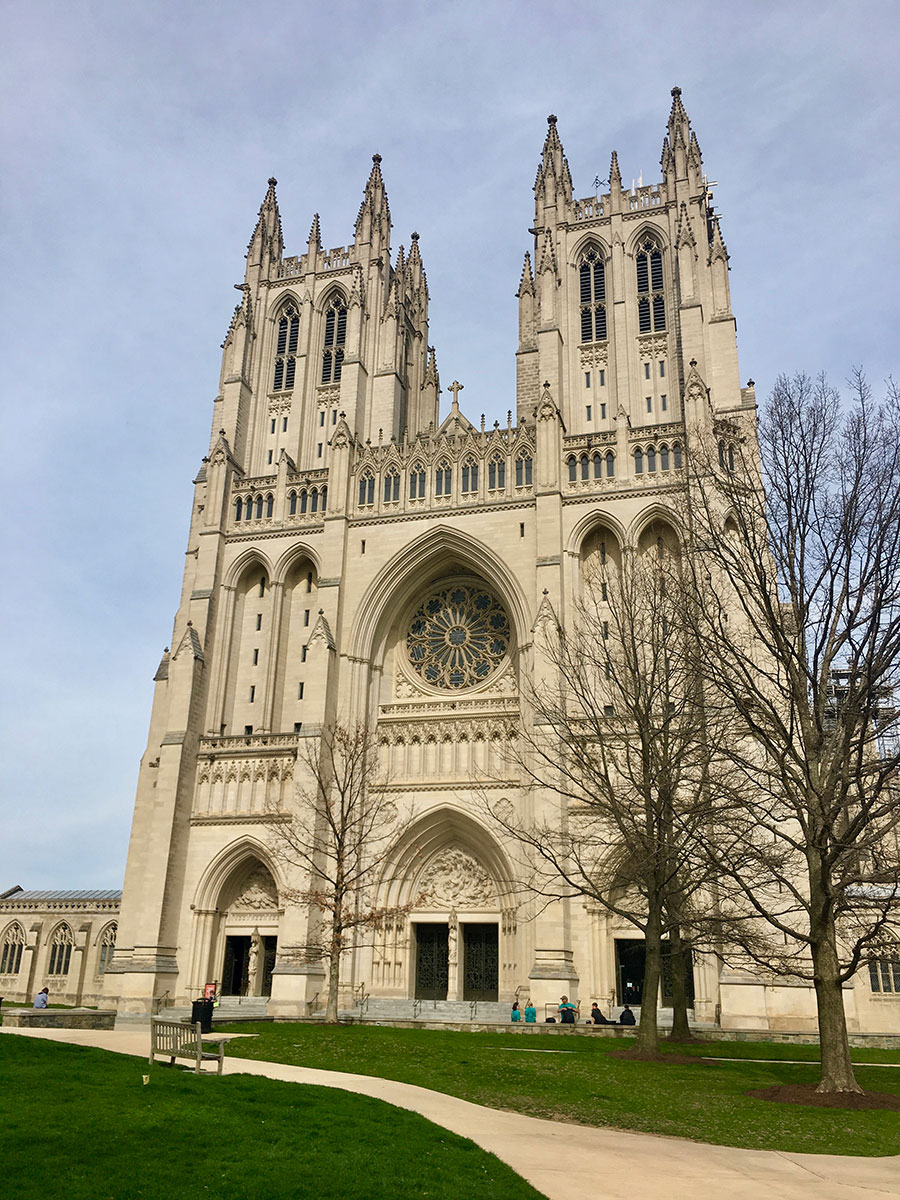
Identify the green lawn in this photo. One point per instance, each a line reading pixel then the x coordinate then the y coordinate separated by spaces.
pixel 79 1124
pixel 582 1083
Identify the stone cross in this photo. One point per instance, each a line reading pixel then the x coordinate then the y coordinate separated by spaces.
pixel 456 388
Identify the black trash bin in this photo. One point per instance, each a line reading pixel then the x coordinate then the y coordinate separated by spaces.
pixel 202 1011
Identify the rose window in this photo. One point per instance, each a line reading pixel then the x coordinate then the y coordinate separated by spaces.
pixel 458 637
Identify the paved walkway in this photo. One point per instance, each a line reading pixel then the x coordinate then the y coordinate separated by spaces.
pixel 565 1161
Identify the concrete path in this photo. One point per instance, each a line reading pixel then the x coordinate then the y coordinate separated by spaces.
pixel 565 1161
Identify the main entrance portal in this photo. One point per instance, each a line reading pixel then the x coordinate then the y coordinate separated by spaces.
pixel 480 962
pixel 247 970
pixel 432 961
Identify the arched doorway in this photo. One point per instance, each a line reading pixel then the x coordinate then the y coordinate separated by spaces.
pixel 249 928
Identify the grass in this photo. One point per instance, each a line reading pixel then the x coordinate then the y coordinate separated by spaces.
pixel 79 1124
pixel 706 1101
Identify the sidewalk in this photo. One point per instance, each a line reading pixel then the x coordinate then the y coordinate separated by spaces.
pixel 563 1160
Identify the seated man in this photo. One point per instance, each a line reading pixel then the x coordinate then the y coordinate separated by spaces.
pixel 627 1017
pixel 41 999
pixel 597 1016
pixel 566 1011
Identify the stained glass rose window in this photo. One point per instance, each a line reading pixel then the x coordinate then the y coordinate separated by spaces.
pixel 458 636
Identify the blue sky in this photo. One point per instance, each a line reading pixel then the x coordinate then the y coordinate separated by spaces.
pixel 135 144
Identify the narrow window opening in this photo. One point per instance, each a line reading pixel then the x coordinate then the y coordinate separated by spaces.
pixel 649 404
pixel 602 377
pixel 587 379
pixel 602 412
pixel 319 450
pixel 662 369
pixel 362 546
pixel 252 693
pixel 298 725
pixel 664 402
pixel 256 658
pixel 259 620
pixel 587 412
pixel 646 370
pixel 322 418
pixel 248 729
pixel 306 616
pixel 300 691
pixel 272 429
pixel 309 581
pixel 521 529
pixel 284 424
pixel 303 650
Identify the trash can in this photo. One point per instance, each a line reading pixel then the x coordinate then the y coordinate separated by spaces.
pixel 202 1011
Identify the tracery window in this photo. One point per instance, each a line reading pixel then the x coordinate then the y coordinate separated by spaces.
pixel 598 465
pixel 676 456
pixel 335 337
pixel 292 504
pixel 366 489
pixel 443 478
pixel 651 459
pixel 497 474
pixel 639 461
pixel 610 465
pixel 286 349
pixel 417 482
pixel 664 458
pixel 458 636
pixel 107 947
pixel 593 297
pixel 573 468
pixel 524 471
pixel 259 507
pixel 585 467
pixel 884 967
pixel 651 301
pixel 470 475
pixel 61 951
pixel 391 487
pixel 11 951
pixel 270 505
pixel 238 509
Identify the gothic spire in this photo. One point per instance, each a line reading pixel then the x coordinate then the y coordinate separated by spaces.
pixel 679 124
pixel 315 234
pixel 615 175
pixel 373 222
pixel 681 157
pixel 554 180
pixel 267 243
pixel 526 283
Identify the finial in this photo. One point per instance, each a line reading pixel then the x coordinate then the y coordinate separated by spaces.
pixel 414 237
pixel 272 181
pixel 547 384
pixel 692 363
pixel 551 120
pixel 221 433
pixel 751 383
pixel 676 91
pixel 376 158
pixel 546 592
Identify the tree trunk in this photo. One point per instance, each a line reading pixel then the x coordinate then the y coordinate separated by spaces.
pixel 334 975
pixel 837 1070
pixel 681 1030
pixel 648 1032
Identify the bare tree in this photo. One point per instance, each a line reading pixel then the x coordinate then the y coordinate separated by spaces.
pixel 802 548
pixel 337 838
pixel 620 738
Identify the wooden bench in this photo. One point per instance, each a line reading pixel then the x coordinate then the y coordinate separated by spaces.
pixel 181 1039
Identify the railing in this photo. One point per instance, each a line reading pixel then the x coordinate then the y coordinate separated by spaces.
pixel 473 1009
pixel 251 741
pixel 586 209
pixel 159 1003
pixel 644 197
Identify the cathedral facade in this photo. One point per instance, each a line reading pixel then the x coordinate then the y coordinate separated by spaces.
pixel 352 558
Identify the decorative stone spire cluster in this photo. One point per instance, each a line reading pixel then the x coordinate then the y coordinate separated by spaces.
pixel 681 158
pixel 266 246
pixel 373 221
pixel 553 182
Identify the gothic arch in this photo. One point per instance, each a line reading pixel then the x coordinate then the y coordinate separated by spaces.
pixel 241 564
pixel 223 869
pixel 585 243
pixel 442 549
pixel 652 514
pixel 332 292
pixel 588 524
pixel 646 229
pixel 436 832
pixel 298 552
pixel 286 298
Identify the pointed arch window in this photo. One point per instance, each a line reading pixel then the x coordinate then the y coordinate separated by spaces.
pixel 417 482
pixel 664 458
pixel 497 474
pixel 335 337
pixel 592 277
pixel 443 478
pixel 107 948
pixel 598 465
pixel 259 508
pixel 884 967
pixel 651 301
pixel 304 500
pixel 61 951
pixel 573 468
pixel 292 504
pixel 651 459
pixel 238 509
pixel 314 500
pixel 11 951
pixel 610 465
pixel 286 349
pixel 524 471
pixel 585 467
pixel 470 475
pixel 270 505
pixel 676 456
pixel 366 490
pixel 391 487
pixel 639 461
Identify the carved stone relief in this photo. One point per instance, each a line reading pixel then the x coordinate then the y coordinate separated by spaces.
pixel 259 892
pixel 455 880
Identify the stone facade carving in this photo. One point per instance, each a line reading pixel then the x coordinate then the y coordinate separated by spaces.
pixel 456 880
pixel 258 893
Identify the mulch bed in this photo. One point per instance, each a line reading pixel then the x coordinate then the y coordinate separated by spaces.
pixel 805 1093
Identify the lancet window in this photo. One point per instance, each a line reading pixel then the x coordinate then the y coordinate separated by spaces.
pixel 391 487
pixel 61 951
pixel 610 465
pixel 107 947
pixel 470 475
pixel 366 489
pixel 335 337
pixel 443 478
pixel 651 300
pixel 286 349
pixel 417 482
pixel 524 471
pixel 884 968
pixel 497 474
pixel 593 297
pixel 11 951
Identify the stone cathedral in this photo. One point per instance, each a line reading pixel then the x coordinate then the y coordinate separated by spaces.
pixel 352 557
